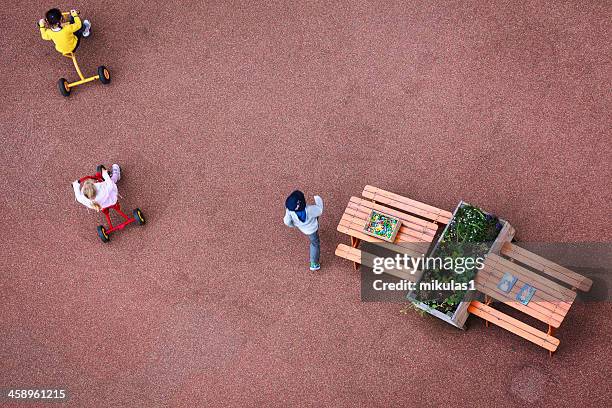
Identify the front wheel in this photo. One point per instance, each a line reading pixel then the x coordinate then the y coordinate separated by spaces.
pixel 139 217
pixel 62 85
pixel 104 74
pixel 102 234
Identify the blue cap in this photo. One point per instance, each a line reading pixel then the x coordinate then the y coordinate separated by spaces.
pixel 296 201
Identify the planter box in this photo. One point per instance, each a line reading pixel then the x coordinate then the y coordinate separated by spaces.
pixel 460 314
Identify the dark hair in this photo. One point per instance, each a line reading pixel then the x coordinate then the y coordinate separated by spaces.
pixel 54 17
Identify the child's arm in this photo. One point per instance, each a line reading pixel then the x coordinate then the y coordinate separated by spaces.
pixel 287 219
pixel 80 197
pixel 43 30
pixel 76 26
pixel 317 209
pixel 110 185
pixel 105 175
pixel 108 181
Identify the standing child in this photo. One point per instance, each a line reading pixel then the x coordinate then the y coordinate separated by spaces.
pixel 65 35
pixel 305 217
pixel 99 195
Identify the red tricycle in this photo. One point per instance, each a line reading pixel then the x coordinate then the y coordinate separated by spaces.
pixel 103 232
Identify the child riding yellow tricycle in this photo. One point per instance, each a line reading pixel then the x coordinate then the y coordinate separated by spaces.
pixel 66 31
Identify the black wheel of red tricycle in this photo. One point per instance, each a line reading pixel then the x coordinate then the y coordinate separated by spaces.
pixel 139 216
pixel 103 234
pixel 104 75
pixel 62 85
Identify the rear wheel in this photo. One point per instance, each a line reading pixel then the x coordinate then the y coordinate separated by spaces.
pixel 62 85
pixel 139 216
pixel 104 74
pixel 102 234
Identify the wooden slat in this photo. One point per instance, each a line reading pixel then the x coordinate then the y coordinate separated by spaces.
pixel 513 325
pixel 407 204
pixel 350 253
pixel 367 259
pixel 412 249
pixel 547 267
pixel 413 203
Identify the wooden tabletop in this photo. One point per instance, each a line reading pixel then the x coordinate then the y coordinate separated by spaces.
pixel 414 235
pixel 549 304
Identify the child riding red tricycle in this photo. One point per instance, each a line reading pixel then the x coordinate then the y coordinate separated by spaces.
pixel 99 192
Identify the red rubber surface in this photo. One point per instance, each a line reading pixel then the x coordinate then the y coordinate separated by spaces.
pixel 216 112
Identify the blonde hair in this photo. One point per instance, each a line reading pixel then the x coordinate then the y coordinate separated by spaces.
pixel 89 190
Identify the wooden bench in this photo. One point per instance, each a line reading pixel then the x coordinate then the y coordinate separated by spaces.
pixel 387 198
pixel 365 258
pixel 558 272
pixel 513 325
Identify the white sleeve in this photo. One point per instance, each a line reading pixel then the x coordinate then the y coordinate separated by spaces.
pixel 287 219
pixel 110 184
pixel 79 196
pixel 105 176
pixel 318 207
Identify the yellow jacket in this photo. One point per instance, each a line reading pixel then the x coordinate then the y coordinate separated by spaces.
pixel 64 39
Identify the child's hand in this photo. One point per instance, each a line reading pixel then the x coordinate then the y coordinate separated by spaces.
pixel 41 22
pixel 74 13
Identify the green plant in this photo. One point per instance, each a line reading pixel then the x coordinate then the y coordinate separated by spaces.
pixel 468 235
pixel 411 307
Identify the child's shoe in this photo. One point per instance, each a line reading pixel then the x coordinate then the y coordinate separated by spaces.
pixel 87 30
pixel 315 266
pixel 115 173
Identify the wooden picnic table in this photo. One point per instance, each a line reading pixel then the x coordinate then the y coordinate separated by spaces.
pixel 419 221
pixel 413 238
pixel 555 285
pixel 550 303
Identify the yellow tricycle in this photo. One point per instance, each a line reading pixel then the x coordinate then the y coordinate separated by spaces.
pixel 64 86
